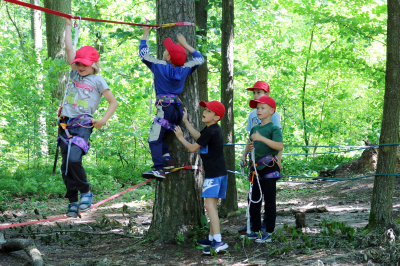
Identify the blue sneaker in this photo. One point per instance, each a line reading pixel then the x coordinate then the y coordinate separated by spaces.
pixel 252 235
pixel 264 226
pixel 86 201
pixel 168 163
pixel 265 237
pixel 243 230
pixel 217 246
pixel 73 210
pixel 204 242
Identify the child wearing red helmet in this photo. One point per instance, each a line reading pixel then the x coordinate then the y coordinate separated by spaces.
pixel 169 78
pixel 76 122
pixel 267 142
pixel 210 143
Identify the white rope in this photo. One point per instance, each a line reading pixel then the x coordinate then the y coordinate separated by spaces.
pixel 251 189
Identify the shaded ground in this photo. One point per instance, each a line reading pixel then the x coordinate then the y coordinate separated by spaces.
pixel 347 202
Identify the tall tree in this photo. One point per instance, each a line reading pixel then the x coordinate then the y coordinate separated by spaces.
pixel 380 217
pixel 202 71
pixel 303 101
pixel 178 205
pixel 55 27
pixel 227 123
pixel 37 36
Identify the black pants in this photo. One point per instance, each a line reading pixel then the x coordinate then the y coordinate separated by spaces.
pixel 76 179
pixel 268 189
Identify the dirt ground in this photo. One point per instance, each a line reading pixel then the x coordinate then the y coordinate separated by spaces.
pixel 347 202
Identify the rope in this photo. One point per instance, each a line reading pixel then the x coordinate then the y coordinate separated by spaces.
pixel 361 178
pixel 67 217
pixel 57 13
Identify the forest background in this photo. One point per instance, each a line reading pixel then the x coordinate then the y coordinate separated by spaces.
pixel 324 61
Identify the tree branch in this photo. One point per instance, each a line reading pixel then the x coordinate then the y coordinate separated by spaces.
pixel 16 27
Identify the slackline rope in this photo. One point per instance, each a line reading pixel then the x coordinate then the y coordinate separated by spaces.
pixel 187 167
pixel 57 13
pixel 67 217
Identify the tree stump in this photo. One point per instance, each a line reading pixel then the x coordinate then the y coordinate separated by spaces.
pixel 300 220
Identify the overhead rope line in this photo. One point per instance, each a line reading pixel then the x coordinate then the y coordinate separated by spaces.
pixel 57 13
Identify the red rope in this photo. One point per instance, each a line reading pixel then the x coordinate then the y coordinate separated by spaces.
pixel 50 11
pixel 66 217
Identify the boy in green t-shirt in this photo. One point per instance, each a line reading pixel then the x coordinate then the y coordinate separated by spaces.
pixel 267 142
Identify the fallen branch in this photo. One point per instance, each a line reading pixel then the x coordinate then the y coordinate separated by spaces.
pixel 22 244
pixel 75 231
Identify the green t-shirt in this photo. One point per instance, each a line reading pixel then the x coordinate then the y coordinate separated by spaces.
pixel 270 131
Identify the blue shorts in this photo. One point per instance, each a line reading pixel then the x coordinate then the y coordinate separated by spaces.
pixel 215 187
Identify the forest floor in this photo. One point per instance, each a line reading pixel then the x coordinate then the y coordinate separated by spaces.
pixel 347 202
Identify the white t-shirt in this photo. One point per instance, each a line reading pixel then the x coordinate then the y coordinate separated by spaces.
pixel 83 95
pixel 254 120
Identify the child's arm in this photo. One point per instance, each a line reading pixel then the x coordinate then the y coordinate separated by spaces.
pixel 113 104
pixel 68 42
pixel 272 144
pixel 191 147
pixel 146 31
pixel 195 134
pixel 144 52
pixel 279 157
pixel 197 60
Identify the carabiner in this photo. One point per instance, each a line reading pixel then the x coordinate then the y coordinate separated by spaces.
pixel 79 22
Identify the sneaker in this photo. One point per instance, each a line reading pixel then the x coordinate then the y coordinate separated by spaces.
pixel 204 242
pixel 159 174
pixel 243 230
pixel 252 235
pixel 217 246
pixel 73 210
pixel 265 237
pixel 86 201
pixel 168 163
pixel 264 226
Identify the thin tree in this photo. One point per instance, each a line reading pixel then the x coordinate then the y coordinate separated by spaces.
pixel 227 123
pixel 178 206
pixel 380 217
pixel 55 27
pixel 37 36
pixel 202 71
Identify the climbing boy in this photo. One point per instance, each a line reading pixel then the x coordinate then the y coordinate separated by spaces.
pixel 267 142
pixel 169 78
pixel 260 88
pixel 210 143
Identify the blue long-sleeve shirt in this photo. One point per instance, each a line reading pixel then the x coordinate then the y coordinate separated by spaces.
pixel 167 79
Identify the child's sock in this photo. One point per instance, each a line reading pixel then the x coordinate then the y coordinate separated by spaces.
pixel 210 237
pixel 218 237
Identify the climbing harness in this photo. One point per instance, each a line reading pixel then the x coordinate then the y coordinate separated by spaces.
pixel 166 100
pixel 79 121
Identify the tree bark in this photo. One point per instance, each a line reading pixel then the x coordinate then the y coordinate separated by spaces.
pixel 55 33
pixel 178 205
pixel 380 217
pixel 202 71
pixel 22 244
pixel 227 123
pixel 303 107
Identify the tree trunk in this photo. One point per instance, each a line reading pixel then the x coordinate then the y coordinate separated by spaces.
pixel 55 32
pixel 36 33
pixel 178 205
pixel 202 71
pixel 227 123
pixel 27 245
pixel 380 217
pixel 303 107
